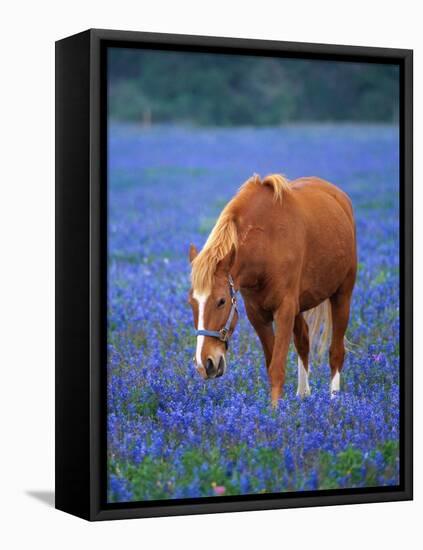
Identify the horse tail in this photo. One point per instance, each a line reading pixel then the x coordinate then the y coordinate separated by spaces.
pixel 319 321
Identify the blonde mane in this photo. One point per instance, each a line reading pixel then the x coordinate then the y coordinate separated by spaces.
pixel 277 182
pixel 224 234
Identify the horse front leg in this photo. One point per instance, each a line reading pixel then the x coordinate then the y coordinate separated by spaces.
pixel 264 329
pixel 284 325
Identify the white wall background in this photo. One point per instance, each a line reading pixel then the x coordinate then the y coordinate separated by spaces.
pixel 28 32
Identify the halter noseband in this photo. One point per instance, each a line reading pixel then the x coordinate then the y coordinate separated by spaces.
pixel 223 333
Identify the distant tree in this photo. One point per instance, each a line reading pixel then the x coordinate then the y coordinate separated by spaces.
pixel 228 90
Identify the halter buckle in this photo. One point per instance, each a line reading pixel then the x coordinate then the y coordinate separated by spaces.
pixel 223 334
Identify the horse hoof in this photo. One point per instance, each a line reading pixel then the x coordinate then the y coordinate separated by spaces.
pixel 305 393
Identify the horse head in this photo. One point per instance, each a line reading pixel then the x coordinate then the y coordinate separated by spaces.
pixel 215 316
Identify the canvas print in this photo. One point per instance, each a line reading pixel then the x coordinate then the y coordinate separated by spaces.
pixel 253 275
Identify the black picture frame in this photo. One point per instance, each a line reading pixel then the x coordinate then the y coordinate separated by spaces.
pixel 81 277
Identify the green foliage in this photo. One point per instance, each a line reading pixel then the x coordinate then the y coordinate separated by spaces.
pixel 149 86
pixel 207 468
pixel 353 468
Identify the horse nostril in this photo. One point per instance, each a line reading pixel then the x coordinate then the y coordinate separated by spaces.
pixel 221 366
pixel 209 366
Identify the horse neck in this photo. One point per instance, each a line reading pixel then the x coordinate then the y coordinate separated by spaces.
pixel 241 271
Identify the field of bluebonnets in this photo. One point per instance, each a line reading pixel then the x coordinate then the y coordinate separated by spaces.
pixel 172 435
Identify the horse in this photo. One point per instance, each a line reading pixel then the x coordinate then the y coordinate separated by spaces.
pixel 289 248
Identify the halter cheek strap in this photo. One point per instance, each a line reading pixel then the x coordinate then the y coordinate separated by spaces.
pixel 223 333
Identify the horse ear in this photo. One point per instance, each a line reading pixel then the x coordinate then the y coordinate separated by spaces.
pixel 228 261
pixel 192 253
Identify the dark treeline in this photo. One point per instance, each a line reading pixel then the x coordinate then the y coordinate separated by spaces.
pixel 225 90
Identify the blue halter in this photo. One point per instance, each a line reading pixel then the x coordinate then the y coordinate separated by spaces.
pixel 223 333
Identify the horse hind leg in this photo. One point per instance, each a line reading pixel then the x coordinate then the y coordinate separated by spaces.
pixel 340 306
pixel 302 345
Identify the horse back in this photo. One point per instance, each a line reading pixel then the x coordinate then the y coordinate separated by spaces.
pixel 315 186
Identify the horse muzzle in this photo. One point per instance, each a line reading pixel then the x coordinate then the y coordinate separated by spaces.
pixel 215 367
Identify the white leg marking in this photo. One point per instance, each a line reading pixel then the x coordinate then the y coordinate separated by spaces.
pixel 201 299
pixel 303 387
pixel 335 384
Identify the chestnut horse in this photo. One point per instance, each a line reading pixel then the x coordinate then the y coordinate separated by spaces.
pixel 290 249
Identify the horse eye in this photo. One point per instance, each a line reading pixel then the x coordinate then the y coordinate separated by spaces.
pixel 221 302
